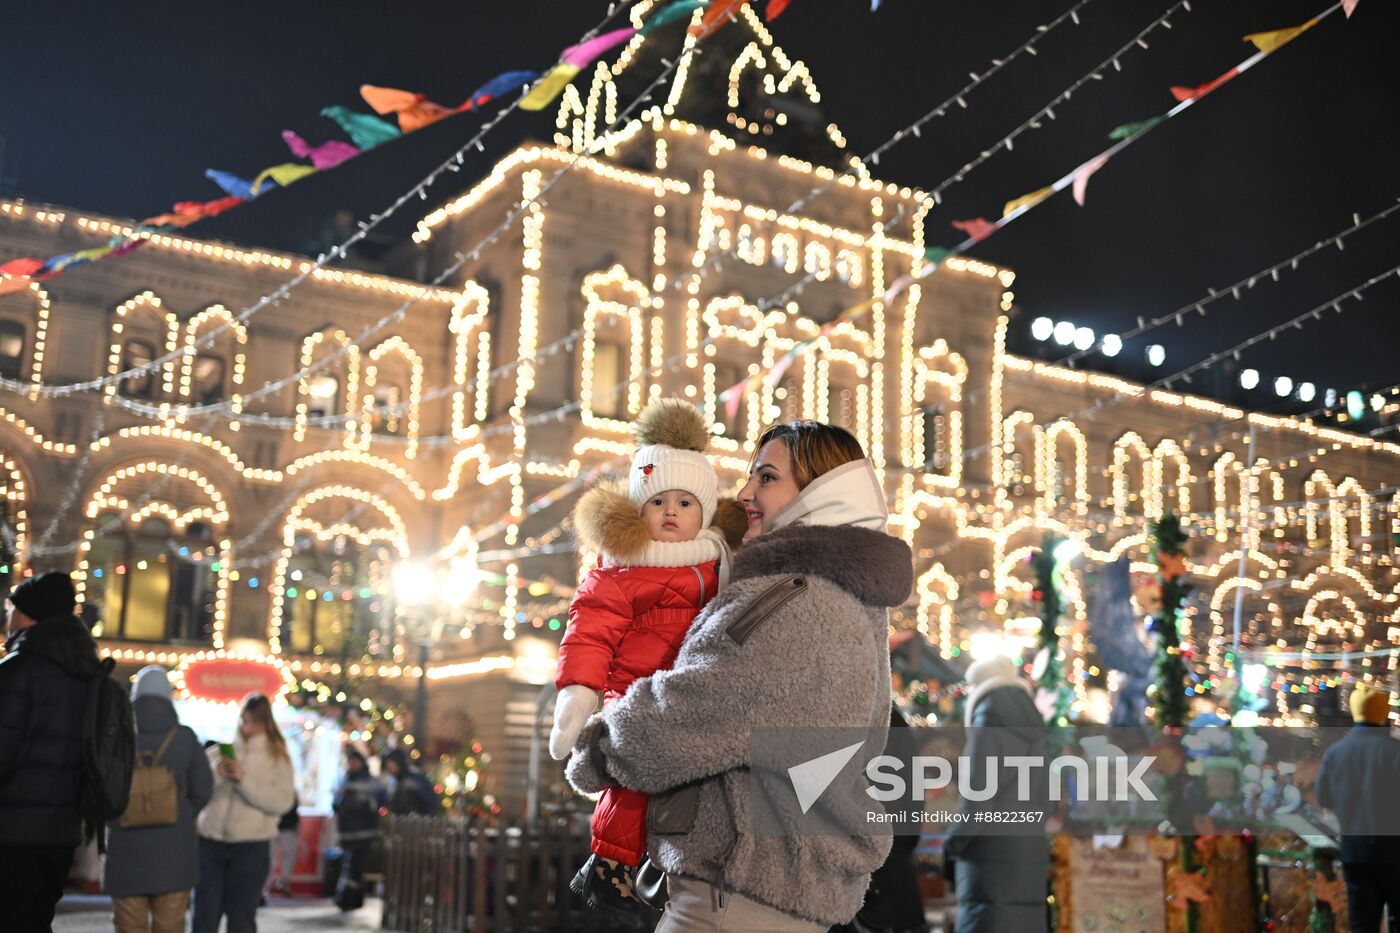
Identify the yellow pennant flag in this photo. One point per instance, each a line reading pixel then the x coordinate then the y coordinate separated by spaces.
pixel 1268 41
pixel 283 174
pixel 1026 200
pixel 549 87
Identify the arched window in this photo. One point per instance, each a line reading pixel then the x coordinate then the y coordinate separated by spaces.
pixel 323 396
pixel 151 583
pixel 9 538
pixel 332 599
pixel 207 380
pixel 138 353
pixel 12 334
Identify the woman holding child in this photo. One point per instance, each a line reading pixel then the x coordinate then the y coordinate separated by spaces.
pixel 796 638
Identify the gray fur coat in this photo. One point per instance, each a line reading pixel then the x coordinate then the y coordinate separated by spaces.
pixel 799 639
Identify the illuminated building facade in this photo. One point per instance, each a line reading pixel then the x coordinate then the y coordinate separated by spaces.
pixel 256 494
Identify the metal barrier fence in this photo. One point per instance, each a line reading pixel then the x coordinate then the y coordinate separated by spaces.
pixel 463 875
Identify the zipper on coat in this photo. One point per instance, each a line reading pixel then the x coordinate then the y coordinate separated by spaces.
pixel 701 577
pixel 763 606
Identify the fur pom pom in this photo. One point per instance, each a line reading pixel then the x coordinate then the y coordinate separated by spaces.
pixel 605 519
pixel 731 522
pixel 673 422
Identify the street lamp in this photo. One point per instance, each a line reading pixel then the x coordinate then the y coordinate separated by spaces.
pixel 424 593
pixel 415 588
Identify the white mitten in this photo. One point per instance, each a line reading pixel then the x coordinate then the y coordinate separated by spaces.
pixel 575 704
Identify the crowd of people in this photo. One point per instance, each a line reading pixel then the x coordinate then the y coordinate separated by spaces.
pixel 204 824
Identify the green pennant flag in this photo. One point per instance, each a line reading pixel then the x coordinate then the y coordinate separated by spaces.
pixel 680 9
pixel 936 254
pixel 364 130
pixel 1134 129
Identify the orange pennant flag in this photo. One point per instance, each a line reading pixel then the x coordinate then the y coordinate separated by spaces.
pixel 716 15
pixel 415 111
pixel 1027 200
pixel 1268 41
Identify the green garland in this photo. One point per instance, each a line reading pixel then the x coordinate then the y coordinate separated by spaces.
pixel 1169 675
pixel 1049 590
pixel 1169 669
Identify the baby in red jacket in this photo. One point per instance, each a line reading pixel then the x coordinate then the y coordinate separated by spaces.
pixel 659 563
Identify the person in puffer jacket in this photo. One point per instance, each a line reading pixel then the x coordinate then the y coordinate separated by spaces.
pixel 251 792
pixel 659 563
pixel 799 640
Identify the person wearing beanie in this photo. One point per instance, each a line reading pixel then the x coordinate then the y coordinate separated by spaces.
pixel 1357 781
pixel 1000 879
pixel 44 678
pixel 659 563
pixel 356 806
pixel 150 870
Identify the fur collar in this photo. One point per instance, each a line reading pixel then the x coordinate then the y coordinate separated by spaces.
pixel 875 568
pixel 607 521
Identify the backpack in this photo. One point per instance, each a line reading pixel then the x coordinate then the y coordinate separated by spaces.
pixel 109 753
pixel 155 797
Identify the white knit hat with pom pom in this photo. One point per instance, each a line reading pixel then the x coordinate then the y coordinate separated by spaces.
pixel 671 439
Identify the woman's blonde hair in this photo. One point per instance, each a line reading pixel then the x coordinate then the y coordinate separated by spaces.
pixel 815 447
pixel 258 707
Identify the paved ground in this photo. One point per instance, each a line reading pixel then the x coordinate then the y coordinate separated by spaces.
pixel 78 913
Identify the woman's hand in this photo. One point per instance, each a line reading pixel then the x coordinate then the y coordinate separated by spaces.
pixel 575 704
pixel 231 769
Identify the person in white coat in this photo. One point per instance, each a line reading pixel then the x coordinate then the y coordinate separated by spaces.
pixel 252 789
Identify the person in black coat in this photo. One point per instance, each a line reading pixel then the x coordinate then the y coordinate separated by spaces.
pixel 893 900
pixel 43 689
pixel 356 805
pixel 1001 879
pixel 1357 781
pixel 410 791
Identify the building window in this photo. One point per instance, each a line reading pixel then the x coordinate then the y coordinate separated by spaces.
pixel 322 392
pixel 840 407
pixel 8 540
pixel 11 349
pixel 936 459
pixel 608 379
pixel 387 418
pixel 208 380
pixel 331 599
pixel 138 353
pixel 790 397
pixel 784 252
pixel 150 583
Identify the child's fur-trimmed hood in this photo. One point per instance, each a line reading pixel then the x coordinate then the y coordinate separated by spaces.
pixel 606 520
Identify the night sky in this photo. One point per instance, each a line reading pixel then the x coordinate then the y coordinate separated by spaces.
pixel 119 108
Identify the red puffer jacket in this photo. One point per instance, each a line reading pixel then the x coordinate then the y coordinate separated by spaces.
pixel 629 622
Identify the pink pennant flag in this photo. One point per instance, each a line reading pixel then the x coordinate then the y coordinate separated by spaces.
pixel 1349 7
pixel 733 396
pixel 327 155
pixel 586 53
pixel 979 228
pixel 1083 174
pixel 896 288
pixel 775 375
